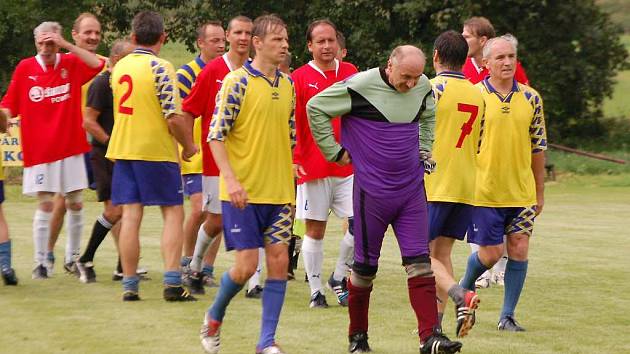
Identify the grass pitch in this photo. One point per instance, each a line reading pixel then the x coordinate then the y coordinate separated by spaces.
pixel 575 298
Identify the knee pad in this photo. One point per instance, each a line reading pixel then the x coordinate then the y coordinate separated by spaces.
pixel 74 198
pixel 351 225
pixel 363 274
pixel 418 266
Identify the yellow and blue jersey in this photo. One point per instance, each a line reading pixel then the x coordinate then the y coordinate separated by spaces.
pixel 145 95
pixel 459 112
pixel 255 117
pixel 513 129
pixel 186 77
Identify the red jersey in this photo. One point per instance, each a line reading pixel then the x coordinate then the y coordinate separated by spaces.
pixel 475 73
pixel 309 80
pixel 48 101
pixel 201 101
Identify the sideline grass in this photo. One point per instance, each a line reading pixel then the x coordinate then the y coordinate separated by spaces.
pixel 574 301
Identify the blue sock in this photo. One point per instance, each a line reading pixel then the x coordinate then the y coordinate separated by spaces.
pixel 131 283
pixel 474 269
pixel 185 261
pixel 5 256
pixel 515 273
pixel 208 269
pixel 50 257
pixel 227 291
pixel 272 301
pixel 173 278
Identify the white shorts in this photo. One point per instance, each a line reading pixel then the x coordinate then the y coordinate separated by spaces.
pixel 61 176
pixel 210 191
pixel 315 199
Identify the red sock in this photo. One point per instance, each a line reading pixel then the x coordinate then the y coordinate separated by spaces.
pixel 358 306
pixel 423 300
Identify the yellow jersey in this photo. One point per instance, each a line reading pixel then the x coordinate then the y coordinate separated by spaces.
pixel 513 128
pixel 255 117
pixel 86 86
pixel 145 95
pixel 459 112
pixel 186 77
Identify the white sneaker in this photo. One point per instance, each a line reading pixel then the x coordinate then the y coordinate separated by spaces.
pixel 272 349
pixel 483 282
pixel 209 336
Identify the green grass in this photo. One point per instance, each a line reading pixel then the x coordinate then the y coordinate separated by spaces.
pixel 177 54
pixel 575 299
pixel 575 164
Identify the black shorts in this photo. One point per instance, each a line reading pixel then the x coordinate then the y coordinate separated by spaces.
pixel 103 169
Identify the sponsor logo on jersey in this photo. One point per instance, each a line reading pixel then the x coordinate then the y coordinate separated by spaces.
pixel 314 86
pixel 33 77
pixel 275 96
pixel 57 94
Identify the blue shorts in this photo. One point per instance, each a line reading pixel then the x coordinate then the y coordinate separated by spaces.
pixel 147 183
pixel 449 219
pixel 489 225
pixel 192 184
pixel 256 226
pixel 1 191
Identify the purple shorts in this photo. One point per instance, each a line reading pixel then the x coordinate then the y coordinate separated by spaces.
pixel 147 183
pixel 256 226
pixel 449 219
pixel 408 216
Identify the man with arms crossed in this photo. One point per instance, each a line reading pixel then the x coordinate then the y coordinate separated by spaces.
pixel 251 137
pixel 147 115
pixel 388 116
pixel 510 186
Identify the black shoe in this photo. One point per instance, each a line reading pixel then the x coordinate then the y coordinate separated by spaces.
pixel 340 288
pixel 359 343
pixel 86 271
pixel 177 293
pixel 318 300
pixel 195 283
pixel 40 272
pixel 465 313
pixel 438 343
pixel 254 293
pixel 71 268
pixel 9 277
pixel 509 324
pixel 130 296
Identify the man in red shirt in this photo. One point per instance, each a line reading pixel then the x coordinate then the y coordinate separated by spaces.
pixel 322 186
pixel 477 31
pixel 201 102
pixel 45 91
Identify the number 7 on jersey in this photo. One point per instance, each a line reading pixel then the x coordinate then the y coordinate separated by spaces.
pixel 468 126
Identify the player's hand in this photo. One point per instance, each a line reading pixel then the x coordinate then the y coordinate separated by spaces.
pixel 345 159
pixel 238 195
pixel 189 152
pixel 298 171
pixel 55 38
pixel 429 165
pixel 540 203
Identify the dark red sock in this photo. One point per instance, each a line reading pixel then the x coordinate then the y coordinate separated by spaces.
pixel 358 306
pixel 423 300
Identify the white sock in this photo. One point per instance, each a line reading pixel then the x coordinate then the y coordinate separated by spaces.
pixel 500 265
pixel 474 247
pixel 74 226
pixel 346 255
pixel 313 255
pixel 201 247
pixel 255 279
pixel 41 233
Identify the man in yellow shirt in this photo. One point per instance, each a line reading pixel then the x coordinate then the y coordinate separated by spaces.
pixel 509 190
pixel 147 110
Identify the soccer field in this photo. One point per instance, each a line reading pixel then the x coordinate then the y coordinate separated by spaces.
pixel 575 298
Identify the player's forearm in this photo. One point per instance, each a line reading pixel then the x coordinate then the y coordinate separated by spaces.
pixel 538 169
pixel 219 153
pixel 90 59
pixel 427 124
pixel 90 123
pixel 181 127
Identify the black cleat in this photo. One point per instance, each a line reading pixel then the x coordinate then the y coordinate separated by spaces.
pixel 40 272
pixel 86 272
pixel 177 293
pixel 438 343
pixel 9 278
pixel 318 300
pixel 254 293
pixel 340 288
pixel 465 313
pixel 131 296
pixel 509 324
pixel 195 283
pixel 359 343
pixel 72 269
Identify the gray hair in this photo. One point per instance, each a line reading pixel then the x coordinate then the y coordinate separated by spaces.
pixel 403 50
pixel 119 46
pixel 47 26
pixel 487 49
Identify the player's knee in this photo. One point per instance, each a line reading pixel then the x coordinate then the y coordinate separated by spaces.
pixel 112 214
pixel 363 274
pixel 518 247
pixel 74 200
pixel 351 225
pixel 45 201
pixel 419 266
pixel 242 273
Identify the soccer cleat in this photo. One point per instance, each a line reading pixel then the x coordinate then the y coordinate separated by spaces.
pixel 131 296
pixel 483 282
pixel 465 313
pixel 177 293
pixel 438 343
pixel 359 343
pixel 86 272
pixel 40 272
pixel 209 281
pixel 9 278
pixel 498 278
pixel 195 283
pixel 291 275
pixel 340 288
pixel 141 272
pixel 50 263
pixel 318 300
pixel 71 268
pixel 254 293
pixel 509 324
pixel 209 335
pixel 272 349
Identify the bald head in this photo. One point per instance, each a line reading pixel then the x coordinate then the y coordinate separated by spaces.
pixel 405 67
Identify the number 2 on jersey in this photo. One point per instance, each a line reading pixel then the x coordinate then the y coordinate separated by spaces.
pixel 124 109
pixel 468 126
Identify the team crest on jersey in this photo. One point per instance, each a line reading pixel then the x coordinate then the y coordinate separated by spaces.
pixel 36 93
pixel 64 73
pixel 505 109
pixel 275 96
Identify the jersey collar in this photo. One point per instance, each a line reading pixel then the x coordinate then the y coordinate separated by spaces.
pixel 200 62
pixel 477 67
pixel 141 50
pixel 41 63
pixel 316 68
pixel 454 74
pixel 227 62
pixel 491 89
pixel 252 71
